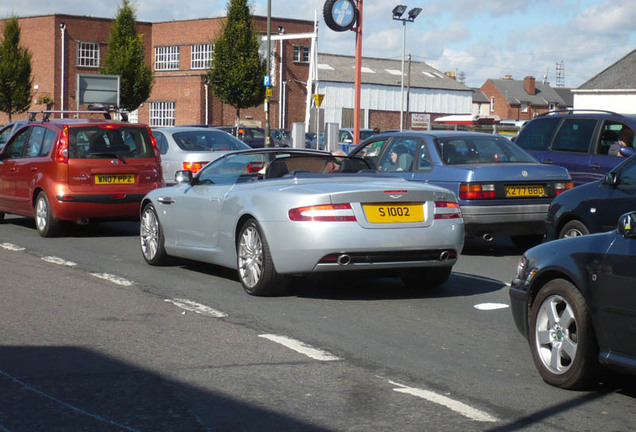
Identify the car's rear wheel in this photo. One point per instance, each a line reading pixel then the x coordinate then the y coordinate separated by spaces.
pixel 46 224
pixel 255 266
pixel 426 277
pixel 526 241
pixel 151 237
pixel 562 340
pixel 574 228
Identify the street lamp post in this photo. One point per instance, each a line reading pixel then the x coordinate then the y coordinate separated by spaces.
pixel 398 11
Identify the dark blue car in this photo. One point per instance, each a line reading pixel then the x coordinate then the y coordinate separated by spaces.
pixel 502 190
pixel 574 299
pixel 579 140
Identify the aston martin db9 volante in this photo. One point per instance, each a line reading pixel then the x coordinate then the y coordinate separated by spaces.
pixel 273 213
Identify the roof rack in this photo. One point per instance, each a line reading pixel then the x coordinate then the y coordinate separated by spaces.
pixel 575 111
pixel 46 114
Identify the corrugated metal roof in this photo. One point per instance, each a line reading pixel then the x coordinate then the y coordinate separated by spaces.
pixel 619 76
pixel 340 68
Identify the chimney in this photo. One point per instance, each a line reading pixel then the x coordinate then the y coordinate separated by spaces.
pixel 529 85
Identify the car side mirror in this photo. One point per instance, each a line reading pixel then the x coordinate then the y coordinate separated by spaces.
pixel 610 179
pixel 627 225
pixel 627 151
pixel 183 177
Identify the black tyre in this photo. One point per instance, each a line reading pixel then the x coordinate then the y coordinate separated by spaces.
pixel 526 241
pixel 46 224
pixel 562 340
pixel 255 266
pixel 151 237
pixel 426 277
pixel 328 16
pixel 574 228
pixel 1 217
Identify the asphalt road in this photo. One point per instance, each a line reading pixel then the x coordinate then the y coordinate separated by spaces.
pixel 94 339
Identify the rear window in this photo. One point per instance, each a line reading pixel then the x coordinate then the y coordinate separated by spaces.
pixel 480 150
pixel 206 140
pixel 93 142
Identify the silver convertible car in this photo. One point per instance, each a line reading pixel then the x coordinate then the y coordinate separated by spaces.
pixel 274 213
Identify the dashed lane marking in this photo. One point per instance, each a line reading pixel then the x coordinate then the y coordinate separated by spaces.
pixel 301 347
pixel 114 279
pixel 491 306
pixel 11 247
pixel 195 307
pixel 60 261
pixel 452 404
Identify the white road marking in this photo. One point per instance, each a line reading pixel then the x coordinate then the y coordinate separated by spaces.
pixel 301 347
pixel 114 279
pixel 67 405
pixel 11 247
pixel 491 306
pixel 60 261
pixel 458 407
pixel 191 306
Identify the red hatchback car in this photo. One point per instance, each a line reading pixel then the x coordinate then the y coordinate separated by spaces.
pixel 77 170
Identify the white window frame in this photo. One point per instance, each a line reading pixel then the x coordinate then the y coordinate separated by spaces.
pixel 161 113
pixel 87 54
pixel 492 104
pixel 524 107
pixel 301 54
pixel 167 57
pixel 201 56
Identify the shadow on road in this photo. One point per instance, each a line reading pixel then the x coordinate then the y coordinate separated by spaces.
pixel 93 229
pixel 68 388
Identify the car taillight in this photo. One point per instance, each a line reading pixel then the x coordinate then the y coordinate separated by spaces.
pixel 562 187
pixel 447 210
pixel 323 213
pixel 61 153
pixel 195 167
pixel 476 191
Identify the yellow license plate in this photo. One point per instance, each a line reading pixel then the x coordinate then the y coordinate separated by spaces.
pixel 115 179
pixel 521 191
pixel 394 213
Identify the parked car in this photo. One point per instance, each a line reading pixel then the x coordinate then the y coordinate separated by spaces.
pixel 77 170
pixel 191 148
pixel 7 131
pixel 273 213
pixel 252 136
pixel 574 300
pixel 345 137
pixel 502 190
pixel 578 140
pixel 594 207
pixel 281 137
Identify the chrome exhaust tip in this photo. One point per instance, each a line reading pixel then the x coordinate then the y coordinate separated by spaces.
pixel 487 236
pixel 343 259
pixel 444 256
pixel 82 222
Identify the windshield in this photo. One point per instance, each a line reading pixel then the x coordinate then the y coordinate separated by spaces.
pixel 480 150
pixel 207 140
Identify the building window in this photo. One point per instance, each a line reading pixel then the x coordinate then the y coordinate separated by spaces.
pixel 87 54
pixel 161 114
pixel 301 54
pixel 492 104
pixel 552 107
pixel 202 56
pixel 524 107
pixel 167 57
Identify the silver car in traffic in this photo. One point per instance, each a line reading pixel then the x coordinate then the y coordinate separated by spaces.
pixel 272 213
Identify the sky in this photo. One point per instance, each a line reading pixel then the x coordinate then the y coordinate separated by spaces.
pixel 484 39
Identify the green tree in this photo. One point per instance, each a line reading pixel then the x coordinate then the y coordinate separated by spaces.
pixel 15 71
pixel 237 70
pixel 125 57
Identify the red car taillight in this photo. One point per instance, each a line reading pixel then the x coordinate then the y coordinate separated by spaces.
pixel 447 210
pixel 562 187
pixel 323 213
pixel 61 153
pixel 195 167
pixel 476 191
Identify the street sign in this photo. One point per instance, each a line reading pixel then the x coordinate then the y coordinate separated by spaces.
pixel 318 99
pixel 269 92
pixel 267 81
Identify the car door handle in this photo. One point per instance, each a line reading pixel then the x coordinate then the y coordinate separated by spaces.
pixel 595 166
pixel 34 169
pixel 13 169
pixel 165 200
pixel 547 161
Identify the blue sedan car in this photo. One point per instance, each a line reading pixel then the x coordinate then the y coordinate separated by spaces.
pixel 502 190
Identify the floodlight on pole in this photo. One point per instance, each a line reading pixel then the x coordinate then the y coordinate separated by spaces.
pixel 398 11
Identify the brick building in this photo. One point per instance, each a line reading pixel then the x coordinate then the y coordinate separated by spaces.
pixel 179 52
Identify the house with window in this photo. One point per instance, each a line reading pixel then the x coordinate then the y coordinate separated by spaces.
pixel 521 99
pixel 180 54
pixel 613 89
